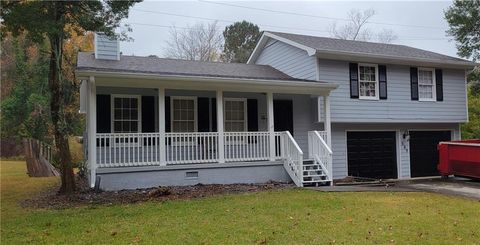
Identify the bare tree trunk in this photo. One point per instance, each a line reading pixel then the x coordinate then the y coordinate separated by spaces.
pixel 62 150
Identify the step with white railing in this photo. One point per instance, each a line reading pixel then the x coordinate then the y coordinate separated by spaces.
pixel 318 169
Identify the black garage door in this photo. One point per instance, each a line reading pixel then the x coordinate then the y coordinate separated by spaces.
pixel 424 153
pixel 372 154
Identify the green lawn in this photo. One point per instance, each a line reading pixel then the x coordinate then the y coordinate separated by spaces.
pixel 278 217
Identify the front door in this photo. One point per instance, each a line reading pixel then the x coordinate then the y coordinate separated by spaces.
pixel 283 115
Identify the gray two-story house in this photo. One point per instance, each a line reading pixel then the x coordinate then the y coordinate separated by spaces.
pixel 304 109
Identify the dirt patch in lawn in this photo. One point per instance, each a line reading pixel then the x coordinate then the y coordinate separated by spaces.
pixel 85 196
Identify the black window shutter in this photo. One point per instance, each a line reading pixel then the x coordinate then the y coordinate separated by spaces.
pixel 203 119
pixel 439 84
pixel 354 80
pixel 382 81
pixel 414 82
pixel 103 114
pixel 252 115
pixel 167 115
pixel 214 114
pixel 148 114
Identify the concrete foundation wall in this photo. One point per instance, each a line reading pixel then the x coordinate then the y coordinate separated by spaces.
pixel 133 178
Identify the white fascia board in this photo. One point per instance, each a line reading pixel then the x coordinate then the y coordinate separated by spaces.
pixel 256 52
pixel 210 83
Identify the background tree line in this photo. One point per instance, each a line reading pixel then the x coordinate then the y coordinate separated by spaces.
pixel 205 42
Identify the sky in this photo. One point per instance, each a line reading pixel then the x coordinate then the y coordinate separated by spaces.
pixel 417 24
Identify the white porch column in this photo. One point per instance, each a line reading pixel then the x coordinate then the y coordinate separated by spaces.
pixel 161 125
pixel 221 138
pixel 92 130
pixel 271 126
pixel 327 124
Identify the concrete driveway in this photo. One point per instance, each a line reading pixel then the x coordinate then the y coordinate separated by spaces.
pixel 451 186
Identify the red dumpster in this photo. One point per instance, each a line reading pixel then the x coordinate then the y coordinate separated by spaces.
pixel 461 158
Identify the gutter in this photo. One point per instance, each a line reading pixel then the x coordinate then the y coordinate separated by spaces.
pixel 206 80
pixel 86 73
pixel 399 60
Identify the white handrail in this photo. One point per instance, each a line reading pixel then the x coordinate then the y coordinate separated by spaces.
pixel 293 158
pixel 324 143
pixel 321 153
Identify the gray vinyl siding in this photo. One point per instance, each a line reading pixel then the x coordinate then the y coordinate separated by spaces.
pixel 339 143
pixel 398 107
pixel 106 48
pixel 289 60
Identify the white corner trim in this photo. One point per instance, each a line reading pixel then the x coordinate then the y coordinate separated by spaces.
pixel 466 95
pixel 95 46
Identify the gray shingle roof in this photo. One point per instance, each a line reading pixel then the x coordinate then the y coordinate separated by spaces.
pixel 366 48
pixel 162 66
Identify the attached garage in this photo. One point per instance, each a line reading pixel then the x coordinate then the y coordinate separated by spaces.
pixel 372 154
pixel 424 153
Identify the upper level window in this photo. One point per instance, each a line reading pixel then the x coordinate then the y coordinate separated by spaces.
pixel 126 113
pixel 368 82
pixel 235 115
pixel 184 114
pixel 426 84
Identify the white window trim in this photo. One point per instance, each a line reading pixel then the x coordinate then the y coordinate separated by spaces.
pixel 377 96
pixel 434 82
pixel 195 111
pixel 112 108
pixel 245 119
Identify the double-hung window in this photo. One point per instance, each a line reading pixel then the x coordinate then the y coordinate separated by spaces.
pixel 126 113
pixel 426 84
pixel 368 81
pixel 235 114
pixel 184 114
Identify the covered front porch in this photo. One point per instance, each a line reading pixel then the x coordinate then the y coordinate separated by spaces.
pixel 152 123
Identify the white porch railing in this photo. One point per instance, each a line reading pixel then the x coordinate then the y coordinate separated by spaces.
pixel 187 148
pixel 320 152
pixel 128 149
pixel 246 146
pixel 143 149
pixel 293 158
